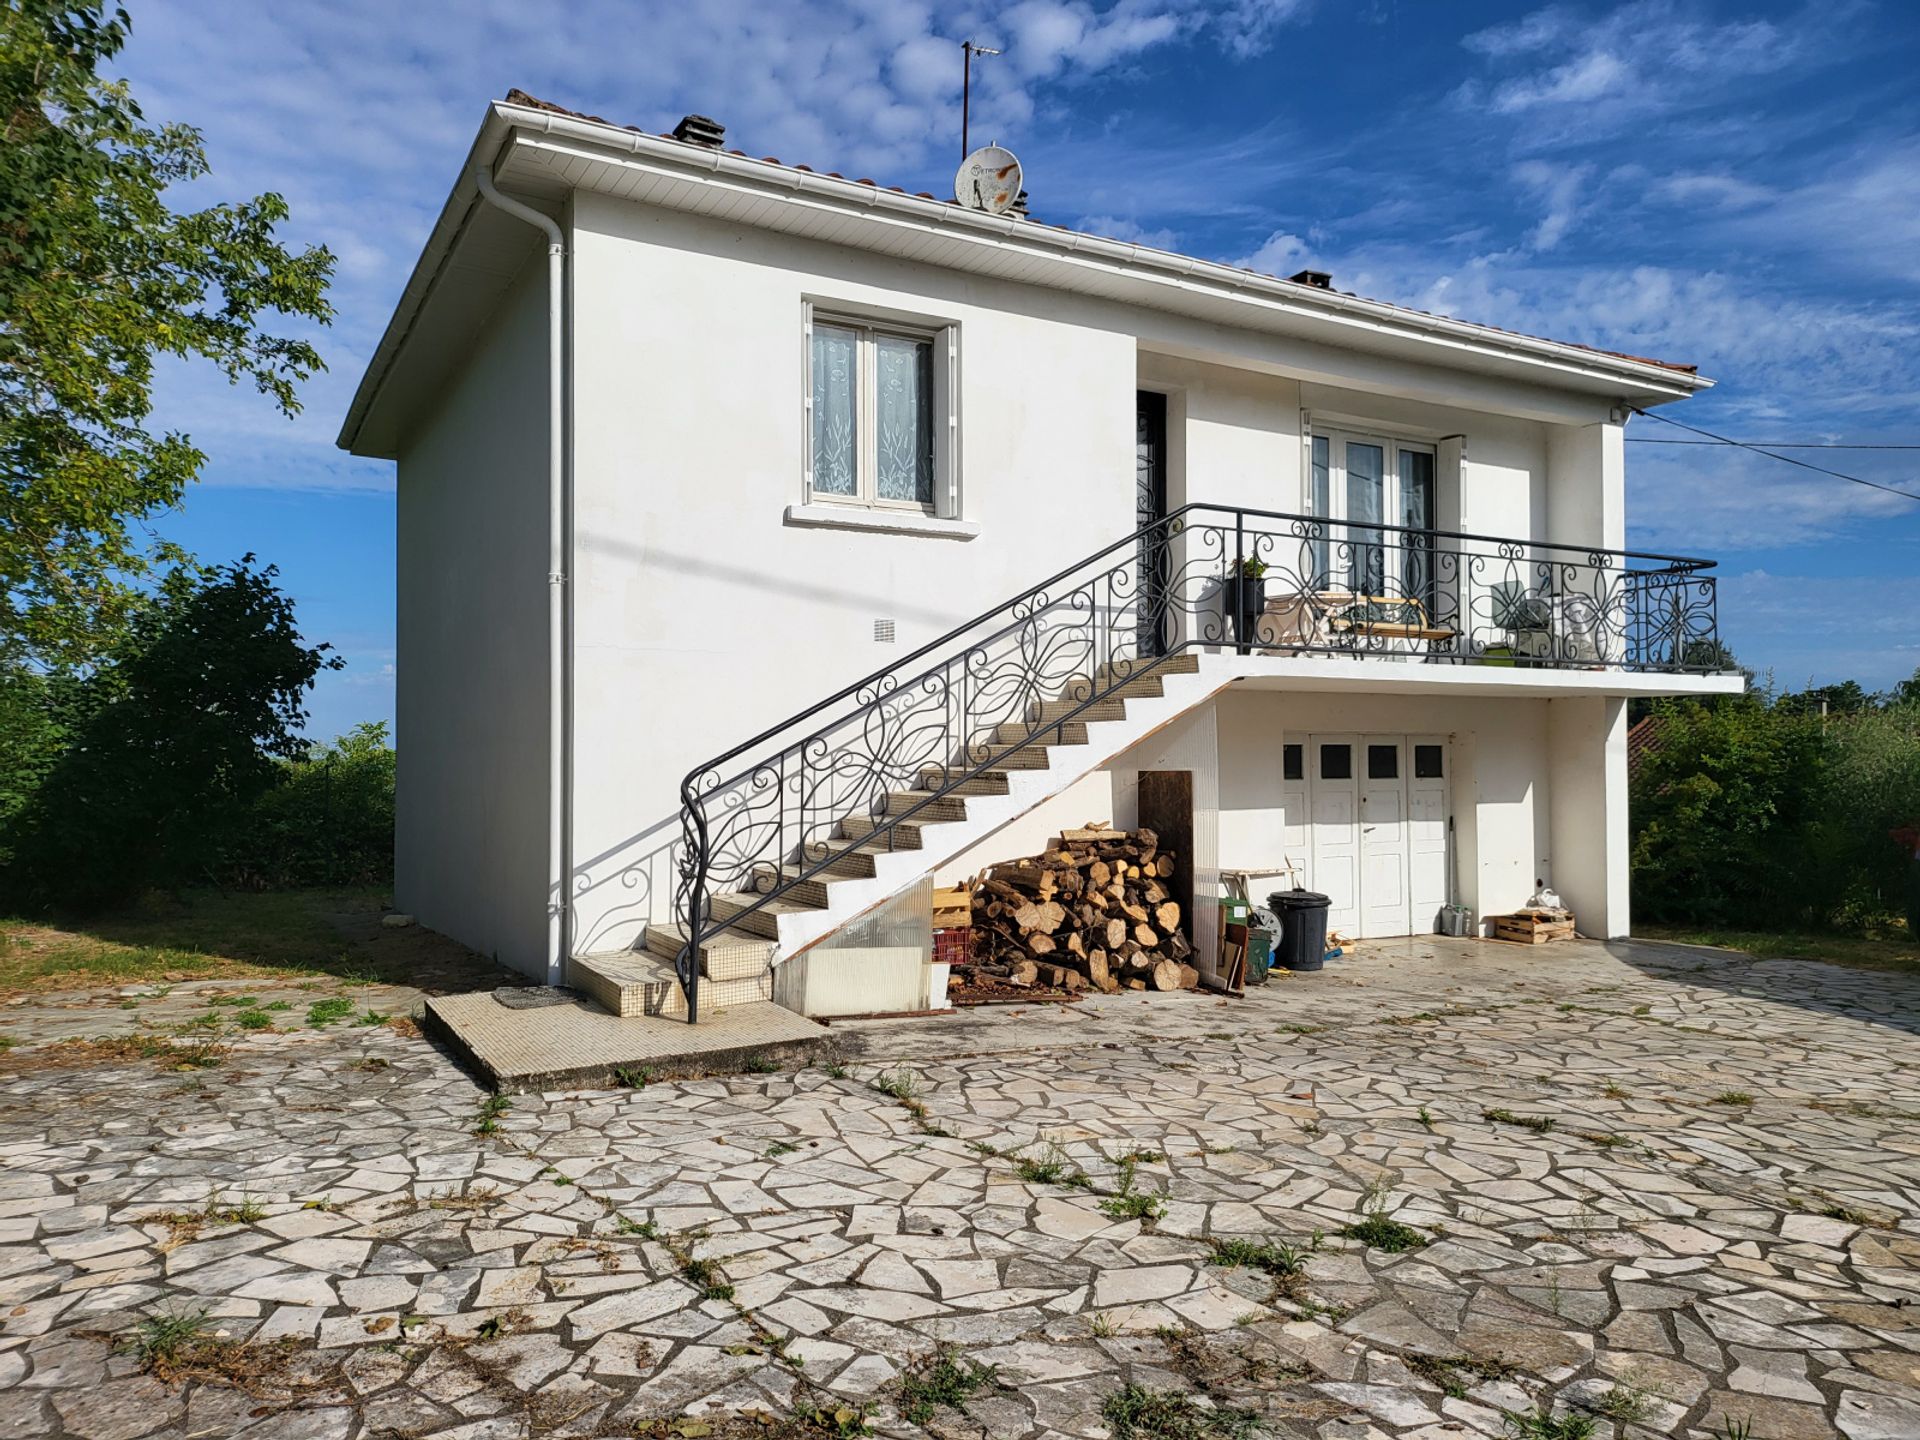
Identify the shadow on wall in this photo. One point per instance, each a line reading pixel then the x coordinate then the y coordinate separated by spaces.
pixel 617 891
pixel 1877 997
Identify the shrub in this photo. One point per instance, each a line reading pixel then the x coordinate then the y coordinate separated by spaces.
pixel 327 819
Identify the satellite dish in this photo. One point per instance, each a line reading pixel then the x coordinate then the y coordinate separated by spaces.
pixel 989 180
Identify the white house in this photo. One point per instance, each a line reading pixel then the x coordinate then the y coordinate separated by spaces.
pixel 771 541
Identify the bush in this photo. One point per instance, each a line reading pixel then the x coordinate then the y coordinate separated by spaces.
pixel 1763 814
pixel 147 762
pixel 326 820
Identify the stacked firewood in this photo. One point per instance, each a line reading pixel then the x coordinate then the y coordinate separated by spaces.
pixel 1093 912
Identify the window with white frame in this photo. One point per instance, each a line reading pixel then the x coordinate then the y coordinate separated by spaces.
pixel 1362 483
pixel 880 427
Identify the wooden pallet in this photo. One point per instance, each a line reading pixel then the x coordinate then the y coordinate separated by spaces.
pixel 1533 927
pixel 952 907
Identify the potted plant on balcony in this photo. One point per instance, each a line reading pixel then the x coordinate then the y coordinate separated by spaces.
pixel 1247 597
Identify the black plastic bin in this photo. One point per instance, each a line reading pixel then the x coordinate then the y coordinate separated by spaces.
pixel 1303 928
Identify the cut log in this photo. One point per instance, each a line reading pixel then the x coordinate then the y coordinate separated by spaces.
pixel 1189 978
pixel 1148 937
pixel 1042 944
pixel 1023 973
pixel 1116 934
pixel 1165 975
pixel 1167 915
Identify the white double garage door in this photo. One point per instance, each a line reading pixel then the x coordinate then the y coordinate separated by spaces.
pixel 1371 816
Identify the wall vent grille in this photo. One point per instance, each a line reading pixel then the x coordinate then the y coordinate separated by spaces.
pixel 883 631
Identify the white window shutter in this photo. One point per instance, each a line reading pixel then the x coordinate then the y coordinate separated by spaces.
pixel 946 410
pixel 1450 483
pixel 806 402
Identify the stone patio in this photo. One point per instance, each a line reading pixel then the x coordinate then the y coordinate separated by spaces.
pixel 1667 1189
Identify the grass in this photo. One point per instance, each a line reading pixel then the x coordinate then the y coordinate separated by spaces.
pixel 1539 1124
pixel 1889 947
pixel 322 1013
pixel 901 1085
pixel 1269 1256
pixel 487 1121
pixel 1051 1165
pixel 761 1065
pixel 1544 1425
pixel 253 1019
pixel 246 937
pixel 779 1148
pixel 1455 1375
pixel 1733 1097
pixel 1135 1412
pixel 645 1229
pixel 706 1276
pixel 160 1339
pixel 1625 1403
pixel 1377 1232
pixel 636 1077
pixel 939 1381
pixel 1133 1205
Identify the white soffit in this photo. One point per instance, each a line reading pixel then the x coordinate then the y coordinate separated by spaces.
pixel 543 156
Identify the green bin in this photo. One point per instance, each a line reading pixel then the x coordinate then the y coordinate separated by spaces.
pixel 1259 954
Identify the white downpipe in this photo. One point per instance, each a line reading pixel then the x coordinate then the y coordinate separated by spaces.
pixel 559 591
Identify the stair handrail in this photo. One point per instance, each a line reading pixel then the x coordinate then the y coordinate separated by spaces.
pixel 886 683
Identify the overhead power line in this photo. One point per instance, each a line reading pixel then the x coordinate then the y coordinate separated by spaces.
pixel 1776 444
pixel 1776 455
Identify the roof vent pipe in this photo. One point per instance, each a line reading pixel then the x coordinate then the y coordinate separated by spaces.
pixel 700 130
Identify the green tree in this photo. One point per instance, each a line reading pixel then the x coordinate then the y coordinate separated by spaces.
pixel 161 748
pixel 99 276
pixel 327 820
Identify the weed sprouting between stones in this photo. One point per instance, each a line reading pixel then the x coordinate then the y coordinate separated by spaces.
pixel 1052 1166
pixel 634 1077
pixel 1545 1425
pixel 1455 1374
pixel 1269 1256
pixel 1135 1412
pixel 940 1380
pixel 779 1148
pixel 761 1065
pixel 491 1109
pixel 1378 1232
pixel 159 1339
pixel 1733 1097
pixel 899 1085
pixel 1539 1124
pixel 322 1013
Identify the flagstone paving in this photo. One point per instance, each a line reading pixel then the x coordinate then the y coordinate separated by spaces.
pixel 1673 1191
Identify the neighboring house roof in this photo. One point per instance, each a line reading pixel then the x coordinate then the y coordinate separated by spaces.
pixel 568 149
pixel 1642 740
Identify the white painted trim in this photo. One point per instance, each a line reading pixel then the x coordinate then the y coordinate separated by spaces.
pixel 883 521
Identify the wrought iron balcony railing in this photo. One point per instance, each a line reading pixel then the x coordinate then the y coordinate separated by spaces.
pixel 766 816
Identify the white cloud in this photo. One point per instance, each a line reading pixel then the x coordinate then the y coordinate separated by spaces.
pixel 1117 228
pixel 1281 253
pixel 360 112
pixel 1621 64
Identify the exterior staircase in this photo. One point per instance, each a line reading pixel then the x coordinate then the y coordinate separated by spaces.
pixel 1036 759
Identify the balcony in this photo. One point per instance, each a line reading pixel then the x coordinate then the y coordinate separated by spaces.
pixel 1267 583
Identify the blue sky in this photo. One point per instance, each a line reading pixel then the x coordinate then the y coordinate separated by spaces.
pixel 1736 185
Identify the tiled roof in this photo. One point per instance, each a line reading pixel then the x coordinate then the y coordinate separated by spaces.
pixel 522 98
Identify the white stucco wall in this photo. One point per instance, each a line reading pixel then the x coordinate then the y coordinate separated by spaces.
pixel 470 843
pixel 701 615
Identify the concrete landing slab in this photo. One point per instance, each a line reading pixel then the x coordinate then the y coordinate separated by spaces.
pixel 575 1043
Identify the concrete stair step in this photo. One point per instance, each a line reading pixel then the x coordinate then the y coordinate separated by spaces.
pixel 630 983
pixel 762 921
pixel 724 954
pixel 1073 732
pixel 932 810
pixel 1109 707
pixel 905 835
pixel 987 782
pixel 1185 663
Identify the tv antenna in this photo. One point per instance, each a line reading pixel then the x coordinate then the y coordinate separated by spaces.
pixel 969 50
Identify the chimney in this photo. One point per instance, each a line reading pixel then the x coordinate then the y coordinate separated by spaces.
pixel 1019 206
pixel 1319 279
pixel 700 130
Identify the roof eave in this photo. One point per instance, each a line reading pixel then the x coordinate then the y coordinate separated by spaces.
pixel 1651 381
